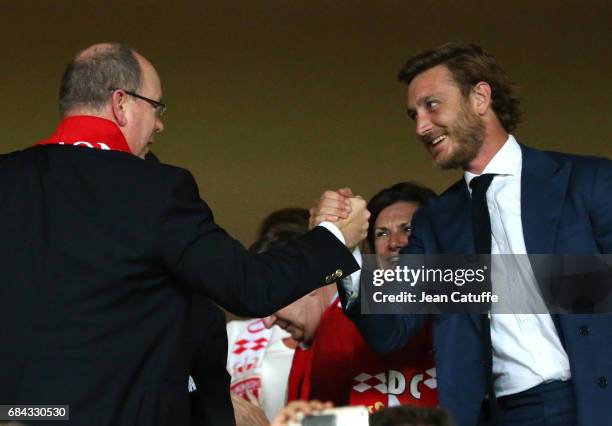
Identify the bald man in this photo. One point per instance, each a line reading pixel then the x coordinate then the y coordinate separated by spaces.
pixel 101 252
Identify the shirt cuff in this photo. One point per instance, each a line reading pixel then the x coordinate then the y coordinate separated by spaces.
pixel 351 283
pixel 334 230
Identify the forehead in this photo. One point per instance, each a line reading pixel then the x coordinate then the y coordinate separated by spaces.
pixel 400 211
pixel 434 81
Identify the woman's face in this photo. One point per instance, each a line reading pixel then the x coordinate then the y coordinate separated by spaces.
pixel 392 231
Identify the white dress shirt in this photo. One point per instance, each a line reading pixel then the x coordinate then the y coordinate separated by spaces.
pixel 527 350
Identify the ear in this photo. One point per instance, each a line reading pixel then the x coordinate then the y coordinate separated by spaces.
pixel 118 105
pixel 481 97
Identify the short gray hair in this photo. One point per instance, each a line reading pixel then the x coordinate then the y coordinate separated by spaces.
pixel 87 80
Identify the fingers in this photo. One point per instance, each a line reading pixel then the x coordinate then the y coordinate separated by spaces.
pixel 269 321
pixel 331 206
pixel 355 228
pixel 357 203
pixel 346 192
pixel 335 210
pixel 252 398
pixel 332 202
pixel 363 215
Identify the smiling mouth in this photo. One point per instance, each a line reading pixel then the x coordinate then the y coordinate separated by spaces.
pixel 437 140
pixel 435 145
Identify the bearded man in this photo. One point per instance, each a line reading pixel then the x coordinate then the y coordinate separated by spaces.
pixel 501 369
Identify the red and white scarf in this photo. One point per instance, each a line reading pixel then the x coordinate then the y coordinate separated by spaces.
pixel 246 360
pixel 88 131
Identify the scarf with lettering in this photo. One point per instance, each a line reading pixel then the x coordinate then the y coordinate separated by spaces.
pixel 90 132
pixel 245 360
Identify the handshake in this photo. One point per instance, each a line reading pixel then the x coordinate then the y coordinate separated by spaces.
pixel 347 212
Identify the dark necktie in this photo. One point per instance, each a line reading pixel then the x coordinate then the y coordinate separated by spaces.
pixel 481 227
pixel 481 222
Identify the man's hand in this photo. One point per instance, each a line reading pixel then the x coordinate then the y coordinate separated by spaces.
pixel 355 227
pixel 247 414
pixel 331 207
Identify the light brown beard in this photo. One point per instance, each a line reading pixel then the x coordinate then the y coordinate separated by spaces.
pixel 467 134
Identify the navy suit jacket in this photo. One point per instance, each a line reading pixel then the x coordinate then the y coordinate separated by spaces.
pixel 566 208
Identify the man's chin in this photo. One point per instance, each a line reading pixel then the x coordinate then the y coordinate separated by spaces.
pixel 446 165
pixel 443 158
pixel 448 162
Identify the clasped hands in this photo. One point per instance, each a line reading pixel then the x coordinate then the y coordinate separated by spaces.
pixel 347 212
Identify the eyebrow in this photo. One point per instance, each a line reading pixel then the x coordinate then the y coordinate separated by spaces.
pixel 422 100
pixel 386 228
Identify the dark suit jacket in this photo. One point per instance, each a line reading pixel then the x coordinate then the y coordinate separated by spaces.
pixel 100 254
pixel 566 208
pixel 211 403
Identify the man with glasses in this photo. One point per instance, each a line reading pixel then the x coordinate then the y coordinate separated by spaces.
pixel 102 251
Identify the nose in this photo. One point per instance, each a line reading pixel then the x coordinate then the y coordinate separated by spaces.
pixel 398 240
pixel 270 321
pixel 159 125
pixel 423 124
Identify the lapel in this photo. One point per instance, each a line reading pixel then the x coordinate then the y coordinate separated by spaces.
pixel 455 224
pixel 453 221
pixel 543 188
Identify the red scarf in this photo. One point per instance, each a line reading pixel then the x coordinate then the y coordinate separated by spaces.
pixel 90 132
pixel 299 384
pixel 339 367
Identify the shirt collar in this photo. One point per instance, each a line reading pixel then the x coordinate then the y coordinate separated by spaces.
pixel 507 161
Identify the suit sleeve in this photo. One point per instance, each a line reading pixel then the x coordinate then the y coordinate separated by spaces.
pixel 388 333
pixel 203 256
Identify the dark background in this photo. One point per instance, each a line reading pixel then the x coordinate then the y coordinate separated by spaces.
pixel 271 102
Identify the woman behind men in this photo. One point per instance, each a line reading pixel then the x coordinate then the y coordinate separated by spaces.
pixel 390 224
pixel 337 365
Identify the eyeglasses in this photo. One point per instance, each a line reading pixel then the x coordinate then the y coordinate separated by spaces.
pixel 159 107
